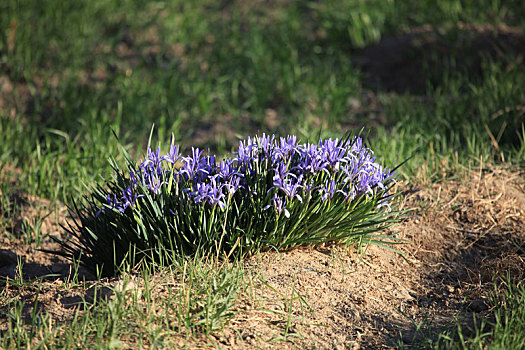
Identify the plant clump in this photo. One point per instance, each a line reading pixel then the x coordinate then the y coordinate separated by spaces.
pixel 273 193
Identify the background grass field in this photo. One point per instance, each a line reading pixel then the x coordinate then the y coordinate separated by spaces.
pixel 438 81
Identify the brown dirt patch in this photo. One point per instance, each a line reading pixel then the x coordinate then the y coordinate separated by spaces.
pixel 404 63
pixel 461 234
pixel 26 224
pixel 224 131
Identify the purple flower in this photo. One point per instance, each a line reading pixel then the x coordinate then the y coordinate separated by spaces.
pixel 308 188
pixel 191 164
pixel 330 189
pixel 112 203
pixel 205 167
pixel 173 155
pixel 288 147
pixel 387 175
pixel 333 152
pixel 133 178
pixel 211 193
pixel 233 185
pixel 279 205
pixel 281 170
pixel 267 145
pixel 363 184
pixel 351 168
pixel 154 159
pixel 247 150
pixel 351 194
pixel 154 181
pixel 129 197
pixel 290 185
pixel 150 175
pixel 296 170
pixel 357 145
pixel 384 204
pixel 224 169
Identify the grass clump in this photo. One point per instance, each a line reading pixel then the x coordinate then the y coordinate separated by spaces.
pixel 503 329
pixel 274 193
pixel 158 307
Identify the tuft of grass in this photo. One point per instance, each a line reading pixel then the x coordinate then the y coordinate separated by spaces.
pixel 32 229
pixel 287 311
pixel 161 306
pixel 503 328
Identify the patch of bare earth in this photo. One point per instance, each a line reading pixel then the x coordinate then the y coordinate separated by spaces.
pixel 26 224
pixel 403 63
pixel 462 233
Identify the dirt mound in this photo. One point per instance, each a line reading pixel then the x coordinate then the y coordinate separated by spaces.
pixel 460 234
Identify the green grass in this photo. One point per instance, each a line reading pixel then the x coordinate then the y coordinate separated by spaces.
pixel 84 69
pixel 505 328
pixel 193 297
pixel 79 70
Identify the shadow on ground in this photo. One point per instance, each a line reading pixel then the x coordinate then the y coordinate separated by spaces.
pixel 407 62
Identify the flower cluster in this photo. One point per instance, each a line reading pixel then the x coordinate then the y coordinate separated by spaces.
pixel 293 171
pixel 273 192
